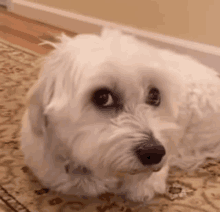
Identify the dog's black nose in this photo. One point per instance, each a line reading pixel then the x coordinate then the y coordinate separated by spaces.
pixel 150 153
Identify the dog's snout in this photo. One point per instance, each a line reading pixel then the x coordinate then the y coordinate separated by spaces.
pixel 151 153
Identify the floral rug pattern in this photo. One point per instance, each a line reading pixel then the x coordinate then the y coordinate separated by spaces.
pixel 20 191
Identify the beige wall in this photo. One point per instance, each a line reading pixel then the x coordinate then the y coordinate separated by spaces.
pixel 196 20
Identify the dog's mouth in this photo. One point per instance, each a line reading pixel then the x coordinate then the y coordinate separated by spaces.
pixel 80 170
pixel 150 169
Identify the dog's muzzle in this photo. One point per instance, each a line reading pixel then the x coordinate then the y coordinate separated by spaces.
pixel 150 152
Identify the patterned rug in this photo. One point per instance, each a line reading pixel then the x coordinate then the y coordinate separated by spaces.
pixel 20 191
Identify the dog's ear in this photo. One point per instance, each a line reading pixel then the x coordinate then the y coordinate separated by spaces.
pixel 60 74
pixel 54 85
pixel 35 105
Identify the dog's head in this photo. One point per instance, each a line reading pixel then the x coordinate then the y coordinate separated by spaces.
pixel 107 99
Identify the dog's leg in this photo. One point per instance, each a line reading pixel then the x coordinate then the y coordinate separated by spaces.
pixel 142 188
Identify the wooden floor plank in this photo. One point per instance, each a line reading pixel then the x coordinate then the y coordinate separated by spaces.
pixel 26 32
pixel 30 26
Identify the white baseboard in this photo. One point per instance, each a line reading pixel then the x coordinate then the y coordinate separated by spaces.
pixel 83 24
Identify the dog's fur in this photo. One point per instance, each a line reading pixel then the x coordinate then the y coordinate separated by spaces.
pixel 75 147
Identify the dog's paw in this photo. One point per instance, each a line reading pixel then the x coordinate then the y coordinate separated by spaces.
pixel 60 183
pixel 146 191
pixel 141 193
pixel 143 188
pixel 80 185
pixel 158 180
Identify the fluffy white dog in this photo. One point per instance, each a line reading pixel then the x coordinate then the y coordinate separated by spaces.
pixel 112 114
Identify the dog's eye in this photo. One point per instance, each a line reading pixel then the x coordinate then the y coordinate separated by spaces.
pixel 103 98
pixel 153 97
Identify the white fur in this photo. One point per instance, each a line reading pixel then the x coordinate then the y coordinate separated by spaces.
pixel 62 127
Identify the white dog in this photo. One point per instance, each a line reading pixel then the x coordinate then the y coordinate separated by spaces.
pixel 112 114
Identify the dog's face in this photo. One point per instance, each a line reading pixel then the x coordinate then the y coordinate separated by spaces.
pixel 109 100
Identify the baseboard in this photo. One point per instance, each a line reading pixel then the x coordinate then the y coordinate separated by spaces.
pixel 56 17
pixel 83 24
pixel 207 54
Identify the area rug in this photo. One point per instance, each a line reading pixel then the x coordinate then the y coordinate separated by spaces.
pixel 20 191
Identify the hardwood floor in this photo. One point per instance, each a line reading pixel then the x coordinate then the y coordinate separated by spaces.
pixel 26 32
